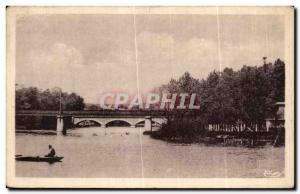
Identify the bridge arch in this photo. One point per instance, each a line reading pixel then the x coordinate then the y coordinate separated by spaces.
pixel 78 124
pixel 157 121
pixel 76 121
pixel 154 122
pixel 123 121
pixel 140 123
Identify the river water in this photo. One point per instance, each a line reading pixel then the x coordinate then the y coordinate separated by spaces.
pixel 118 152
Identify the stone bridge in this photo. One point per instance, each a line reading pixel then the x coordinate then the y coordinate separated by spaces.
pixel 104 121
pixel 102 117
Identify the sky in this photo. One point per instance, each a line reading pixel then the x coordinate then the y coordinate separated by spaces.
pixel 94 54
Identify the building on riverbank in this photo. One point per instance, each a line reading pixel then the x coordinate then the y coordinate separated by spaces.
pixel 278 120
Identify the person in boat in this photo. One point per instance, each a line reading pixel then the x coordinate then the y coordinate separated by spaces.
pixel 51 153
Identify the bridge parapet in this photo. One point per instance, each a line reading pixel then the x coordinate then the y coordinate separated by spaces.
pixel 103 121
pixel 102 117
pixel 108 113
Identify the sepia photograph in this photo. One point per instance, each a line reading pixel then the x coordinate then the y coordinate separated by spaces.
pixel 150 97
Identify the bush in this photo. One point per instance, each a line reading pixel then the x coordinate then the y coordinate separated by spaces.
pixel 180 129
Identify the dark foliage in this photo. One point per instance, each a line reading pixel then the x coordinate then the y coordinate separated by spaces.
pixel 32 98
pixel 247 95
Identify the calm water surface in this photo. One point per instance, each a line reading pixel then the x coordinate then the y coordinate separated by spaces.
pixel 90 152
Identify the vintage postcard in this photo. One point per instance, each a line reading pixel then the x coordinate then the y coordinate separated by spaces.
pixel 150 97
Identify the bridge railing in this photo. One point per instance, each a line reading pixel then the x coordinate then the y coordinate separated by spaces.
pixel 93 112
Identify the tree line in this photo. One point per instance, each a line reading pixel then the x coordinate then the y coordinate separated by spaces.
pixel 247 95
pixel 33 98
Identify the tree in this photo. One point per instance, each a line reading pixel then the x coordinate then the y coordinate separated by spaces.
pixel 73 102
pixel 248 95
pixel 27 98
pixel 279 80
pixel 32 98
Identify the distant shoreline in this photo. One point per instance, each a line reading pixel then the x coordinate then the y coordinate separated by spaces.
pixel 37 131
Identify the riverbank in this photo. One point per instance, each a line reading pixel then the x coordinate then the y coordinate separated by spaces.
pixel 37 132
pixel 242 139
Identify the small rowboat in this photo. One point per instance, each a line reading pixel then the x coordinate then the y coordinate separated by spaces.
pixel 39 159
